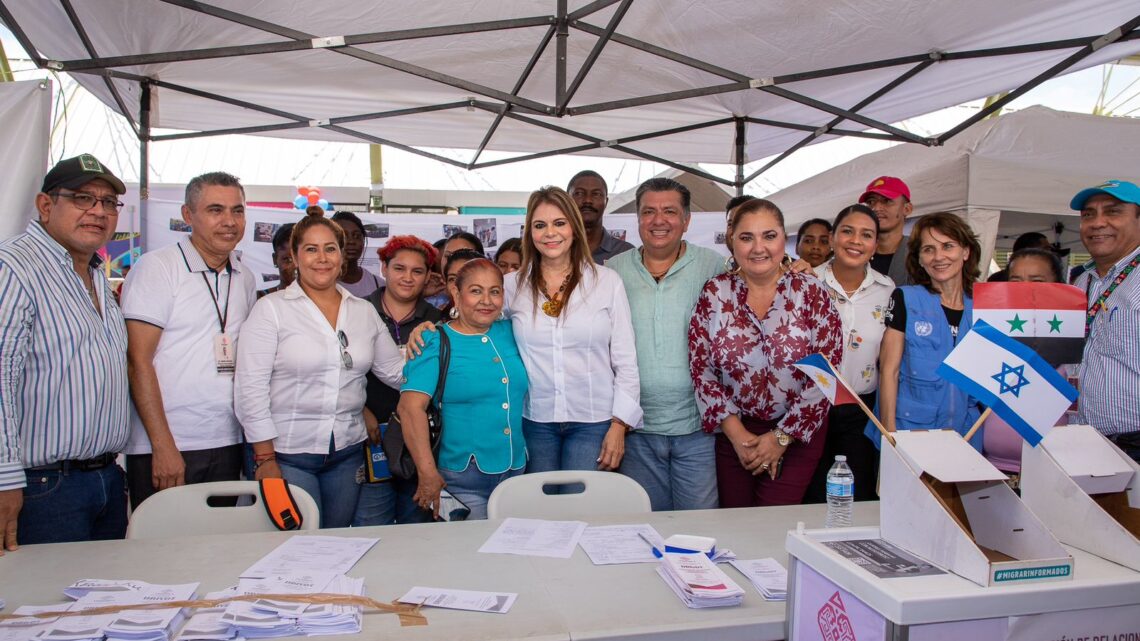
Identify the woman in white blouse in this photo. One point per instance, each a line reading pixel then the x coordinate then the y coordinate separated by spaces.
pixel 300 381
pixel 571 321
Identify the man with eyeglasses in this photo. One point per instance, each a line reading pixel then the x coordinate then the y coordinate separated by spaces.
pixel 185 305
pixel 63 370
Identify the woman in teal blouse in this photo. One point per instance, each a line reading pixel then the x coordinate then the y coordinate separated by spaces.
pixel 482 443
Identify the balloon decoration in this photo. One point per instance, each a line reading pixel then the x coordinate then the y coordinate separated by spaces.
pixel 309 196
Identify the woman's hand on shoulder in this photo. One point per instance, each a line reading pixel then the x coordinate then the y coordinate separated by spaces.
pixel 416 339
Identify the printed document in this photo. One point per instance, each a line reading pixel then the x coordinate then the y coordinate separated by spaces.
pixel 613 544
pixel 311 554
pixel 535 537
pixel 497 602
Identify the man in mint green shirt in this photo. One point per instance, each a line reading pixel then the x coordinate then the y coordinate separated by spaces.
pixel 671 457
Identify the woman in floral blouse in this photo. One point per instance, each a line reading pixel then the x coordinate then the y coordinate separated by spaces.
pixel 750 325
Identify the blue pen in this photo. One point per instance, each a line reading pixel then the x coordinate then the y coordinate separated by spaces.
pixel 652 546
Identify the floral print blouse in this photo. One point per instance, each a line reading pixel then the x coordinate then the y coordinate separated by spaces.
pixel 742 364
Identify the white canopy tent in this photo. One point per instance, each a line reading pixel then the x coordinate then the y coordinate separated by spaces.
pixel 1012 174
pixel 675 81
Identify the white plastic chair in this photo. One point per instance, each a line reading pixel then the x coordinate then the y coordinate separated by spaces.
pixel 605 493
pixel 183 511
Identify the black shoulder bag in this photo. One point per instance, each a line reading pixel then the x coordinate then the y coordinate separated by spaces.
pixel 400 461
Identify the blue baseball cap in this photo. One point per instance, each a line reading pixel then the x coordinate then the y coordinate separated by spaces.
pixel 1122 190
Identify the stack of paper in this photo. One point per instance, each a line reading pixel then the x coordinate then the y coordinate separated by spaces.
pixel 266 618
pixel 767 576
pixel 128 625
pixel 28 627
pixel 698 582
pixel 205 624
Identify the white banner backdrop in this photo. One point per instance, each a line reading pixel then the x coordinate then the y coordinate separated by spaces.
pixel 25 110
pixel 165 227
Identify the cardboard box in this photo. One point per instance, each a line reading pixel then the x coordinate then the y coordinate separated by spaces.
pixel 944 502
pixel 1087 491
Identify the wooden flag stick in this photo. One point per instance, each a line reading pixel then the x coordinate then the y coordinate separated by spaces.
pixel 978 423
pixel 866 410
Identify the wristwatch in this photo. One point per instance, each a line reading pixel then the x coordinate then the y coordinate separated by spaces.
pixel 783 439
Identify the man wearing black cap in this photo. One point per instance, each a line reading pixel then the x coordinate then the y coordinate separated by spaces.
pixel 889 198
pixel 63 368
pixel 591 194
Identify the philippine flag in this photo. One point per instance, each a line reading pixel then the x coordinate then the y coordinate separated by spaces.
pixel 823 375
pixel 1012 380
pixel 1049 318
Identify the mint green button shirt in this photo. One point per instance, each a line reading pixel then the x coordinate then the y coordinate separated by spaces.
pixel 661 312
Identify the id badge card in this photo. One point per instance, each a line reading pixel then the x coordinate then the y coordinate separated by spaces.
pixel 225 353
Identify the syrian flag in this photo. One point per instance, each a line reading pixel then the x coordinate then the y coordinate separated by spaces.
pixel 820 371
pixel 1049 318
pixel 1016 383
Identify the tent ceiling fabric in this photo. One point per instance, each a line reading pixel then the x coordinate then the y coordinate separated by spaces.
pixel 272 75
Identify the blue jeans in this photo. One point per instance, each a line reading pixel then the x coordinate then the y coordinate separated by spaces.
pixel 473 487
pixel 329 478
pixel 406 509
pixel 376 505
pixel 678 472
pixel 563 446
pixel 73 506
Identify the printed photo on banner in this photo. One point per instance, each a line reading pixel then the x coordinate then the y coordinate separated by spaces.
pixel 718 238
pixel 177 224
pixel 376 230
pixel 451 230
pixel 486 229
pixel 263 231
pixel 617 233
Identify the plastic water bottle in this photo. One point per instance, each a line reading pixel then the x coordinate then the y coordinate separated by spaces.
pixel 840 493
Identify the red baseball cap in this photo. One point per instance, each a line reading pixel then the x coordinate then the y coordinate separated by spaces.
pixel 887 187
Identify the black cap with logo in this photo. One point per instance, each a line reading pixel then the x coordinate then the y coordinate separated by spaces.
pixel 78 171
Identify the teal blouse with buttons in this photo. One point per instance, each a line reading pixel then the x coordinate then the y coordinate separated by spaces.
pixel 482 399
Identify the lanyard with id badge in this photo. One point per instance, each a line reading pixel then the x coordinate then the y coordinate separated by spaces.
pixel 225 352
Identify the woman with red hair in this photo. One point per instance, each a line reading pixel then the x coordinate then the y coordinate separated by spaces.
pixel 405 263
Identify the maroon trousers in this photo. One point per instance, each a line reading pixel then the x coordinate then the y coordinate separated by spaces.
pixel 737 486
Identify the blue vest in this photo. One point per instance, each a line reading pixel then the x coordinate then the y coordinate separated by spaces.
pixel 925 400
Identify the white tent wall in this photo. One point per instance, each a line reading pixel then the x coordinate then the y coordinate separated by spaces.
pixel 1026 165
pixel 25 158
pixel 165 227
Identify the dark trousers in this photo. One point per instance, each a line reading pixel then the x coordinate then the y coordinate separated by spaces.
pixel 1129 442
pixel 845 436
pixel 737 486
pixel 69 505
pixel 202 466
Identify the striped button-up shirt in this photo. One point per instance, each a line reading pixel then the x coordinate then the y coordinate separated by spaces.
pixel 63 366
pixel 1110 370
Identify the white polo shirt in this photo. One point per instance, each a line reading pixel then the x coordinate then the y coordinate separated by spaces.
pixel 863 325
pixel 173 288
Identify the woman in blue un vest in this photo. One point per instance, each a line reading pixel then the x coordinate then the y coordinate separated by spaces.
pixel 924 322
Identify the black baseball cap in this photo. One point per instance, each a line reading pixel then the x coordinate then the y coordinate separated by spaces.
pixel 78 171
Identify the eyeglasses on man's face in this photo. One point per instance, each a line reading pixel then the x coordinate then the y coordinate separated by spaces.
pixel 86 202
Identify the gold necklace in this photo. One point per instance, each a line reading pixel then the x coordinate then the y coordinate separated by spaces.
pixel 658 275
pixel 553 305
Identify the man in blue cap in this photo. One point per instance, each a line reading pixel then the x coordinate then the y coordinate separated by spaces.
pixel 1110 370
